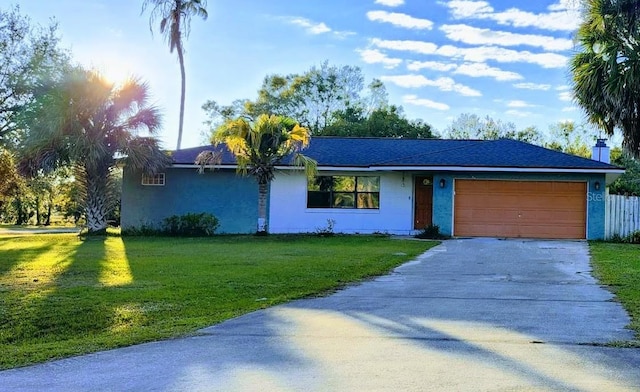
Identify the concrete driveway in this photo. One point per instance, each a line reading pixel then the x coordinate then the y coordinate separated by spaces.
pixel 479 314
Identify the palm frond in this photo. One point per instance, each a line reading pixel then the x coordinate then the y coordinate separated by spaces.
pixel 208 159
pixel 144 153
pixel 310 165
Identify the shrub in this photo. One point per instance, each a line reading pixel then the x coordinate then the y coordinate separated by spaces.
pixel 190 225
pixel 616 238
pixel 633 238
pixel 431 232
pixel 142 231
pixel 326 231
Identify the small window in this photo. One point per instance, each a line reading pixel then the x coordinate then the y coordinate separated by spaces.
pixel 343 192
pixel 153 179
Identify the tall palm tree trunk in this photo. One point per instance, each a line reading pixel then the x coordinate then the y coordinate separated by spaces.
pixel 263 192
pixel 97 201
pixel 182 91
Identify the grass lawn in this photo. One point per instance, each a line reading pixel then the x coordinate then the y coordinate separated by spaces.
pixel 60 296
pixel 618 266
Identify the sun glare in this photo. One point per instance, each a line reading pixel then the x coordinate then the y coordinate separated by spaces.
pixel 113 69
pixel 116 73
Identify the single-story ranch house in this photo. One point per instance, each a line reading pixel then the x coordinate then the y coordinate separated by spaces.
pixel 469 188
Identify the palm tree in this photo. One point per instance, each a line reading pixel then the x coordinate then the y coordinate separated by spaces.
pixel 175 16
pixel 87 123
pixel 606 72
pixel 258 148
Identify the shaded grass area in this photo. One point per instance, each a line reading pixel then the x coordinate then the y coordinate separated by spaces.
pixel 61 296
pixel 618 266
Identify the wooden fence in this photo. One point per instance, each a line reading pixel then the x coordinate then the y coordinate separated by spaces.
pixel 622 215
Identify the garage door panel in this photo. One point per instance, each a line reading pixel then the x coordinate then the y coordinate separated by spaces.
pixel 488 216
pixel 520 209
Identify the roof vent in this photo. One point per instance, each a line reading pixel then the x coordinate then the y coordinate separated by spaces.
pixel 600 152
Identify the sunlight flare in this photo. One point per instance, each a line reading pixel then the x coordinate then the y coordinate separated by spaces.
pixel 32 273
pixel 115 267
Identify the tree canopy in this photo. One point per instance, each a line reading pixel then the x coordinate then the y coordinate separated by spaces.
pixel 386 121
pixel 86 122
pixel 472 126
pixel 30 57
pixel 329 101
pixel 606 70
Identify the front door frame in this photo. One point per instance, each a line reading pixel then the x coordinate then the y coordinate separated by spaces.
pixel 422 215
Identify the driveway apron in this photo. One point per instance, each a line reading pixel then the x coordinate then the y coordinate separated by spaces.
pixel 469 314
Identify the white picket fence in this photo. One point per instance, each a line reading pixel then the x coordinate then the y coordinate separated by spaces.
pixel 622 215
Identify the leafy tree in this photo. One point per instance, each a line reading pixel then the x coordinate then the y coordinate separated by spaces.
pixel 314 97
pixel 567 137
pixel 471 126
pixel 86 122
pixel 10 181
pixel 382 122
pixel 175 17
pixel 43 188
pixel 259 146
pixel 606 70
pixel 29 57
pixel 629 182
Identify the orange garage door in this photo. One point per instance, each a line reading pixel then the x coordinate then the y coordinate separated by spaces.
pixel 533 209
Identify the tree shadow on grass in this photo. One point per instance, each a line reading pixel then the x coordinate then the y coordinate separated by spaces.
pixel 78 304
pixel 12 258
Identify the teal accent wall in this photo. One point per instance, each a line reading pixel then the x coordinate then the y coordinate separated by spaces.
pixel 231 198
pixel 443 197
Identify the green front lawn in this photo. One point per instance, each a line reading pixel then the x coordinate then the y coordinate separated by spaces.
pixel 60 296
pixel 618 266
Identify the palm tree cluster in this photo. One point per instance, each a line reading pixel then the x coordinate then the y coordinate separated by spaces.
pixel 85 122
pixel 606 72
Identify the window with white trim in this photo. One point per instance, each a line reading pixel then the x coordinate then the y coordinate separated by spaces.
pixel 361 192
pixel 153 179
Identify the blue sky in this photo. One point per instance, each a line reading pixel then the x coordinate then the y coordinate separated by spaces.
pixel 438 59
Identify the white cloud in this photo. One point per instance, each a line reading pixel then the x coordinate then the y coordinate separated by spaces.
pixel 478 54
pixel 519 104
pixel 462 9
pixel 427 103
pixel 409 46
pixel 569 109
pixel 483 53
pixel 343 34
pixel 562 16
pixel 374 56
pixel 390 3
pixel 555 21
pixel 432 65
pixel 316 28
pixel 518 113
pixel 532 86
pixel 400 20
pixel 477 36
pixel 564 87
pixel 475 70
pixel 443 84
pixel 478 70
pixel 565 96
pixel 311 27
pixel 565 5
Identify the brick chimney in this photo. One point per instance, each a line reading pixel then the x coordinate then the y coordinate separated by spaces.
pixel 600 152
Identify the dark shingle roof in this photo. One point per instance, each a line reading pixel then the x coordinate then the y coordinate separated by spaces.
pixel 387 152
